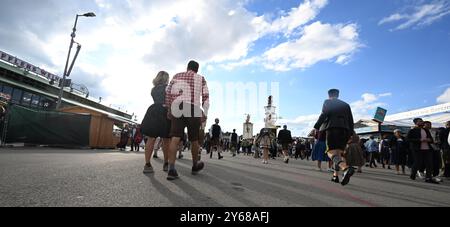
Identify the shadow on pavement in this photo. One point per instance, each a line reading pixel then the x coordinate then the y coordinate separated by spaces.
pixel 197 196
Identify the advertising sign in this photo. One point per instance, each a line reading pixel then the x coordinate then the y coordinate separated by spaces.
pixel 380 115
pixel 27 66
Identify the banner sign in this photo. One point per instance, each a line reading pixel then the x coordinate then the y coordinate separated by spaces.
pixel 443 108
pixel 28 67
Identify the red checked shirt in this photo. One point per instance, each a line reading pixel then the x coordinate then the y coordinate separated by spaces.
pixel 188 87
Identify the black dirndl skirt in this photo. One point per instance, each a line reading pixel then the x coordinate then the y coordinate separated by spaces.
pixel 155 123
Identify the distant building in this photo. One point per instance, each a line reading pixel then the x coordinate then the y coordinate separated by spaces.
pixel 437 115
pixel 366 128
pixel 30 86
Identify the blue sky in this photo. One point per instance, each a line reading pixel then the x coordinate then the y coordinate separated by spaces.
pixel 389 53
pixel 410 66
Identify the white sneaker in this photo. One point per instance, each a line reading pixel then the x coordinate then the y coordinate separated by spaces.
pixel 421 175
pixel 437 179
pixel 330 170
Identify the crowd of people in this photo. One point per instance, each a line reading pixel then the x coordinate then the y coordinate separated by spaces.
pixel 422 150
pixel 131 135
pixel 183 103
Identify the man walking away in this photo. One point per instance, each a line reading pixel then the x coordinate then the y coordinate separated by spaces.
pixel 137 138
pixel 308 149
pixel 435 149
pixel 337 121
pixel 186 96
pixel 234 142
pixel 372 148
pixel 285 139
pixel 385 152
pixel 420 141
pixel 132 136
pixel 216 136
pixel 447 158
pixel 124 136
pixel 445 146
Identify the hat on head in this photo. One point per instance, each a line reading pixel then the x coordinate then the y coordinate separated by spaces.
pixel 417 120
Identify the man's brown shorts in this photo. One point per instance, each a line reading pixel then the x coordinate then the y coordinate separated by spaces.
pixel 191 123
pixel 215 142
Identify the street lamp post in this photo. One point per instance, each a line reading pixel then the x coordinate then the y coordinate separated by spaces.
pixel 72 41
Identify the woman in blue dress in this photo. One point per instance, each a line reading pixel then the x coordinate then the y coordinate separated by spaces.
pixel 319 150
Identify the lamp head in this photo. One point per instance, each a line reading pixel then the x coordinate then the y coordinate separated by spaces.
pixel 90 14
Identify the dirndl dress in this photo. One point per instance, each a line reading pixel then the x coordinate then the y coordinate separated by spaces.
pixel 265 142
pixel 320 148
pixel 155 123
pixel 320 151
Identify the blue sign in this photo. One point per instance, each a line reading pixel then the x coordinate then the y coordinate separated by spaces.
pixel 380 115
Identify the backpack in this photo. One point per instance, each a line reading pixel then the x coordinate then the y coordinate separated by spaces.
pixel 216 131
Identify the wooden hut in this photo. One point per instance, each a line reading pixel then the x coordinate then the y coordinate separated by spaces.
pixel 102 127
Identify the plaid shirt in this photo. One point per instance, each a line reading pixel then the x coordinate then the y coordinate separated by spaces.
pixel 188 87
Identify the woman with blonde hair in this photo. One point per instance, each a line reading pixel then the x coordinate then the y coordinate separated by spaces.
pixel 155 124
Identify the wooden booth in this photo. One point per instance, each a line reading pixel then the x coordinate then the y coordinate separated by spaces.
pixel 102 128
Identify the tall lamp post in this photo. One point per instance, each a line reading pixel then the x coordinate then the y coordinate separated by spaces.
pixel 66 72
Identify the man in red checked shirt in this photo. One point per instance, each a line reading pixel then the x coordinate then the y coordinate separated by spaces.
pixel 187 98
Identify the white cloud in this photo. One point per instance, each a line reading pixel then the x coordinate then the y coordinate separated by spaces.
pixel 299 16
pixel 302 125
pixel 205 31
pixel 130 41
pixel 420 15
pixel 445 97
pixel 392 18
pixel 103 4
pixel 343 59
pixel 318 42
pixel 244 62
pixel 385 94
pixel 366 106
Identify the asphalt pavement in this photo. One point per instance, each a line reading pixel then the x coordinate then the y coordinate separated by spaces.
pixel 49 177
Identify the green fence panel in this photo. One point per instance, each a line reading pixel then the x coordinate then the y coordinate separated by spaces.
pixel 26 125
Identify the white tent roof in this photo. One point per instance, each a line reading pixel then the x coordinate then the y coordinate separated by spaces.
pixel 438 120
pixel 437 115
